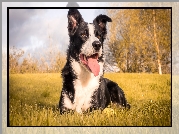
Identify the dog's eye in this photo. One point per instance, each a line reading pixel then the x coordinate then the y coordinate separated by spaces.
pixel 97 35
pixel 84 34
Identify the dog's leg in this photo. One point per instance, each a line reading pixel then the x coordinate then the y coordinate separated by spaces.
pixel 66 97
pixel 61 104
pixel 62 107
pixel 116 93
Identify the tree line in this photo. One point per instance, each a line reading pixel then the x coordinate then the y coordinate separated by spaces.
pixel 49 62
pixel 140 39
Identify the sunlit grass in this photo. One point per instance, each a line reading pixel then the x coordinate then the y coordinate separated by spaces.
pixel 34 98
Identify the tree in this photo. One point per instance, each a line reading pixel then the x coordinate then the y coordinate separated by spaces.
pixel 140 39
pixel 24 66
pixel 29 65
pixel 60 62
pixel 14 56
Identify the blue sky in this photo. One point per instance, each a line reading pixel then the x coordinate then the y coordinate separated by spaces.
pixel 29 29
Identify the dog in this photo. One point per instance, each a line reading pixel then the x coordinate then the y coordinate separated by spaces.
pixel 84 87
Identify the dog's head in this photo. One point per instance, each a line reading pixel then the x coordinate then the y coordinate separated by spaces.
pixel 86 39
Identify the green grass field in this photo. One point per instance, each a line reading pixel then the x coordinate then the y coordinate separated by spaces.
pixel 33 101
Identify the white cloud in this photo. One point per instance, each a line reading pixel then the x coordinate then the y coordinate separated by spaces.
pixel 30 29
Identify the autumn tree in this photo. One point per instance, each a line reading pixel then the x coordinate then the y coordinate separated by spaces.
pixel 60 62
pixel 14 55
pixel 29 65
pixel 140 39
pixel 160 30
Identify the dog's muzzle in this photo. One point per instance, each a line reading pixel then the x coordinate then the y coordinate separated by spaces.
pixel 96 45
pixel 91 63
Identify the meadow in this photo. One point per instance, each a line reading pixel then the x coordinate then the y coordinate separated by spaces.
pixel 33 101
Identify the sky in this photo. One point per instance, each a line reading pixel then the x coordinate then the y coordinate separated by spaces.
pixel 32 29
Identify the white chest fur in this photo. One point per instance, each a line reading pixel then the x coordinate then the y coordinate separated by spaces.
pixel 85 85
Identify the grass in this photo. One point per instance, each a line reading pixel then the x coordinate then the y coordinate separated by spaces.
pixel 33 101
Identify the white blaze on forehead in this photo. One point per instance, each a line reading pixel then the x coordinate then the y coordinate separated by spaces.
pixel 91 32
pixel 87 47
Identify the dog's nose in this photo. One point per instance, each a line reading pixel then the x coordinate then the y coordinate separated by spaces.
pixel 96 45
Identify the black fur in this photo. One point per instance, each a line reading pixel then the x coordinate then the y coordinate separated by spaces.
pixel 107 90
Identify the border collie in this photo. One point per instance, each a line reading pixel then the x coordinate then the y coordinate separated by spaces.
pixel 84 87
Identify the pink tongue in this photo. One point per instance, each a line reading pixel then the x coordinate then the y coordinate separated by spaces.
pixel 94 66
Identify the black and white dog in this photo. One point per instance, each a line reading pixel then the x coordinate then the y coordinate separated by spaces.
pixel 84 87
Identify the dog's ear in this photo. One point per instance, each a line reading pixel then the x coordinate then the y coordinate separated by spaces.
pixel 100 26
pixel 74 19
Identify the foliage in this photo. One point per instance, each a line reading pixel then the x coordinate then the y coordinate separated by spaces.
pixel 34 98
pixel 51 62
pixel 140 39
pixel 60 61
pixel 14 56
pixel 29 65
